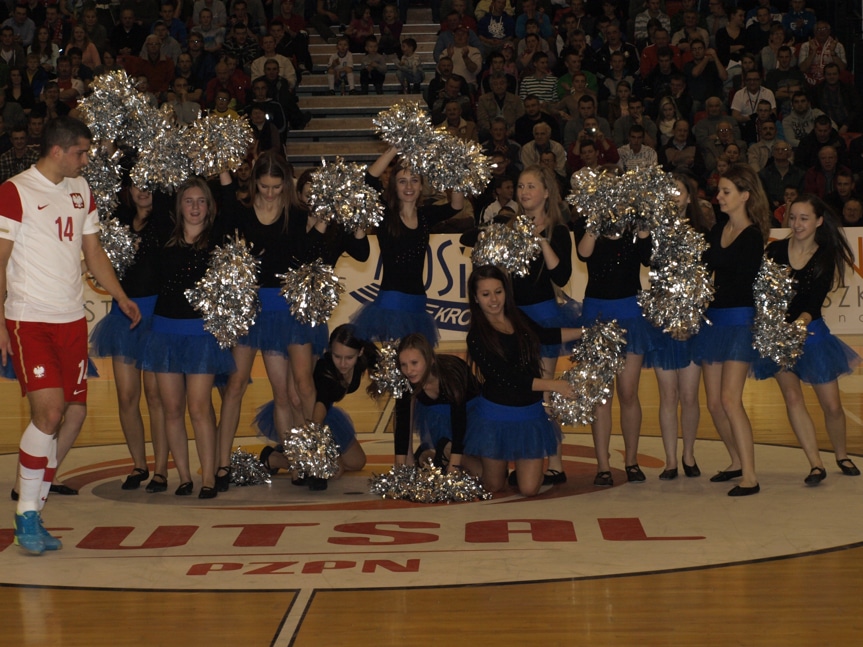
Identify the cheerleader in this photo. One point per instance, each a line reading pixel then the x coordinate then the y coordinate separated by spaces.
pixel 287 346
pixel 725 347
pixel 113 338
pixel 337 373
pixel 400 307
pixel 511 423
pixel 185 357
pixel 613 281
pixel 817 253
pixel 536 294
pixel 443 393
pixel 678 374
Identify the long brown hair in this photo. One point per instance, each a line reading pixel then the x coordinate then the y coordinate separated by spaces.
pixel 453 376
pixel 393 213
pixel 694 212
pixel 178 237
pixel 834 253
pixel 552 202
pixel 529 346
pixel 271 164
pixel 757 206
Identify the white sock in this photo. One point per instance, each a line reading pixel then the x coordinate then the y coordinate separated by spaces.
pixel 33 453
pixel 50 471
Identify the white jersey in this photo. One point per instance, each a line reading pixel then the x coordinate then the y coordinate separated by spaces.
pixel 47 223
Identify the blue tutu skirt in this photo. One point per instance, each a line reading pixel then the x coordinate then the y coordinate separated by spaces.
pixel 511 433
pixel 393 315
pixel 825 358
pixel 338 420
pixel 112 336
pixel 728 338
pixel 433 423
pixel 670 354
pixel 551 314
pixel 183 346
pixel 641 336
pixel 275 328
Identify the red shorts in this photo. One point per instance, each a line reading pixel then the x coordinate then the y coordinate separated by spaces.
pixel 50 356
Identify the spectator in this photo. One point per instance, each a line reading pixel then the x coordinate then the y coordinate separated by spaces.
pixel 495 28
pixel 127 38
pixel 203 62
pixel 266 134
pixel 586 108
pixel 176 27
pixel 705 75
pixel 745 102
pixel 716 19
pixel 651 11
pixel 273 109
pixel 213 35
pixel 844 191
pixel 529 12
pixel 769 54
pixel 59 28
pixel 225 81
pixel 391 29
pixel 185 111
pixel 249 13
pixel 689 30
pixel 780 174
pixel 820 51
pixel 852 213
pixel 820 178
pixel 801 121
pixel 541 83
pixel 617 72
pixel 718 144
pixel 409 69
pixel 706 126
pixel 279 89
pixel 373 68
pixel 11 52
pixel 614 43
pixel 573 63
pixel 446 37
pixel 839 100
pixel 168 46
pixel 466 59
pixel 292 37
pixel 601 150
pixel 499 143
pixel 443 73
pixel 243 46
pixel 781 77
pixel 635 117
pixel 456 125
pixel 635 154
pixel 681 154
pixel 661 44
pixel 503 188
pixel 731 39
pixel 340 68
pixel 667 115
pixel 751 130
pixel 18 158
pixel 823 134
pixel 531 152
pixel 452 92
pixel 35 128
pixel 222 105
pixel 71 88
pixel 758 33
pixel 329 13
pixel 215 7
pixel 22 27
pixel 286 67
pixel 498 103
pixel 761 151
pixel 799 22
pixel 780 215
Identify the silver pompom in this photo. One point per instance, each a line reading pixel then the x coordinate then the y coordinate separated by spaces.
pixel 597 359
pixel 227 296
pixel 428 484
pixel 246 469
pixel 105 178
pixel 313 292
pixel 387 375
pixel 407 127
pixel 120 244
pixel 512 248
pixel 215 144
pixel 163 164
pixel 115 111
pixel 772 336
pixel 311 451
pixel 339 194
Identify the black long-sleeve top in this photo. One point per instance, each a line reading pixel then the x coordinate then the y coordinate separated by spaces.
pixel 508 379
pixel 458 414
pixel 403 257
pixel 538 285
pixel 330 389
pixel 327 246
pixel 811 288
pixel 614 267
pixel 272 244
pixel 141 278
pixel 734 267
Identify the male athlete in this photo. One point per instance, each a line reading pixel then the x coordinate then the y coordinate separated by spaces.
pixel 47 219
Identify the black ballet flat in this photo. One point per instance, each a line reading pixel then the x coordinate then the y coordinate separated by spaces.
pixel 316 484
pixel 185 489
pixel 741 490
pixel 134 480
pixel 668 475
pixel 159 485
pixel 848 467
pixel 440 459
pixel 691 470
pixel 65 490
pixel 727 475
pixel 816 475
pixel 208 493
pixel 553 477
pixel 14 494
pixel 265 460
pixel 603 479
pixel 634 474
pixel 223 482
pixel 300 482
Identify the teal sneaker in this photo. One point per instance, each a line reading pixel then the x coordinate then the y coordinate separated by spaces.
pixel 51 542
pixel 28 532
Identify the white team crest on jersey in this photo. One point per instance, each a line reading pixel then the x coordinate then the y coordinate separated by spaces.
pixel 39 371
pixel 77 200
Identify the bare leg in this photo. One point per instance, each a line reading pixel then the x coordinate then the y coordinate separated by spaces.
pixel 630 406
pixel 529 472
pixel 668 399
pixel 798 416
pixel 834 416
pixel 157 424
pixel 353 458
pixel 232 401
pixel 555 461
pixel 601 430
pixel 733 380
pixel 713 388
pixel 302 367
pixel 494 474
pixel 688 381
pixel 172 390
pixel 73 421
pixel 128 382
pixel 200 400
pixel 279 373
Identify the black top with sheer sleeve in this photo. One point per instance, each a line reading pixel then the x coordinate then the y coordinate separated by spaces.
pixel 141 278
pixel 614 268
pixel 508 379
pixel 812 286
pixel 458 414
pixel 328 384
pixel 403 257
pixel 328 246
pixel 734 267
pixel 538 285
